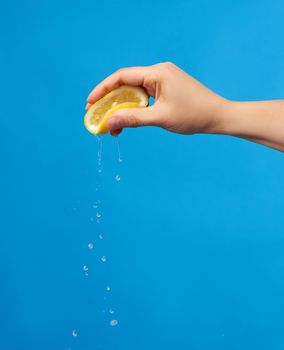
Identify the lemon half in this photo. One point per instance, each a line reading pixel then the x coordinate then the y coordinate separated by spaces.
pixel 123 97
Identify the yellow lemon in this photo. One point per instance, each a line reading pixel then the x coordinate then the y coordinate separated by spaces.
pixel 125 96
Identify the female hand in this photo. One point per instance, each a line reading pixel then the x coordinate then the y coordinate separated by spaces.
pixel 182 104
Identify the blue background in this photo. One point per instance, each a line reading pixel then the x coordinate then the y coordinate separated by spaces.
pixel 193 232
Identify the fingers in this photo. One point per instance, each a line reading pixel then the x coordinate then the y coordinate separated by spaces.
pixel 127 76
pixel 132 118
pixel 116 132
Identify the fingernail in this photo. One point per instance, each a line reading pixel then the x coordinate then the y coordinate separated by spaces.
pixel 113 123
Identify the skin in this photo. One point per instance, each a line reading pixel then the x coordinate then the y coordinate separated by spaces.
pixel 184 105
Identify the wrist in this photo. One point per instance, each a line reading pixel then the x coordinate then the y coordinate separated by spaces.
pixel 220 119
pixel 237 119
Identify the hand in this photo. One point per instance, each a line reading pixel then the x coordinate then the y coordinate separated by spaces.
pixel 182 104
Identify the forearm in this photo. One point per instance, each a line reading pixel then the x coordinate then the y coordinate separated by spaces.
pixel 261 122
pixel 184 105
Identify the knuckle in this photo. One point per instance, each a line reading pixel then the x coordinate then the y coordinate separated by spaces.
pixel 120 70
pixel 151 80
pixel 105 88
pixel 169 64
pixel 166 64
pixel 119 73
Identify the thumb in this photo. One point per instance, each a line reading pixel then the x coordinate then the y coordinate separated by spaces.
pixel 132 118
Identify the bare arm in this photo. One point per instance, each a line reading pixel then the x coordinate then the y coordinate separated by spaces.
pixel 261 122
pixel 183 105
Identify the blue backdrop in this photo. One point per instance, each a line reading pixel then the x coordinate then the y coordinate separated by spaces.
pixel 193 232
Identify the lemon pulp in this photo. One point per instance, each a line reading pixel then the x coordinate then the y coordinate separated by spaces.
pixel 123 97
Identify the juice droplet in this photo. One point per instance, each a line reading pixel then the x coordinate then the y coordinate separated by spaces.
pixel 100 152
pixel 98 215
pixel 74 333
pixel 118 150
pixel 101 236
pixel 111 311
pixel 103 258
pixel 117 178
pixel 113 323
pixel 90 245
pixel 108 288
pixel 96 205
pixel 86 270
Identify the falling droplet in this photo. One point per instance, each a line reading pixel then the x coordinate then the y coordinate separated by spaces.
pixel 111 311
pixel 100 152
pixel 74 333
pixel 98 215
pixel 113 323
pixel 90 245
pixel 117 178
pixel 108 288
pixel 103 258
pixel 86 270
pixel 101 236
pixel 118 150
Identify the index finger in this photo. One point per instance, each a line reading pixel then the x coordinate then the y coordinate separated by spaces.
pixel 134 76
